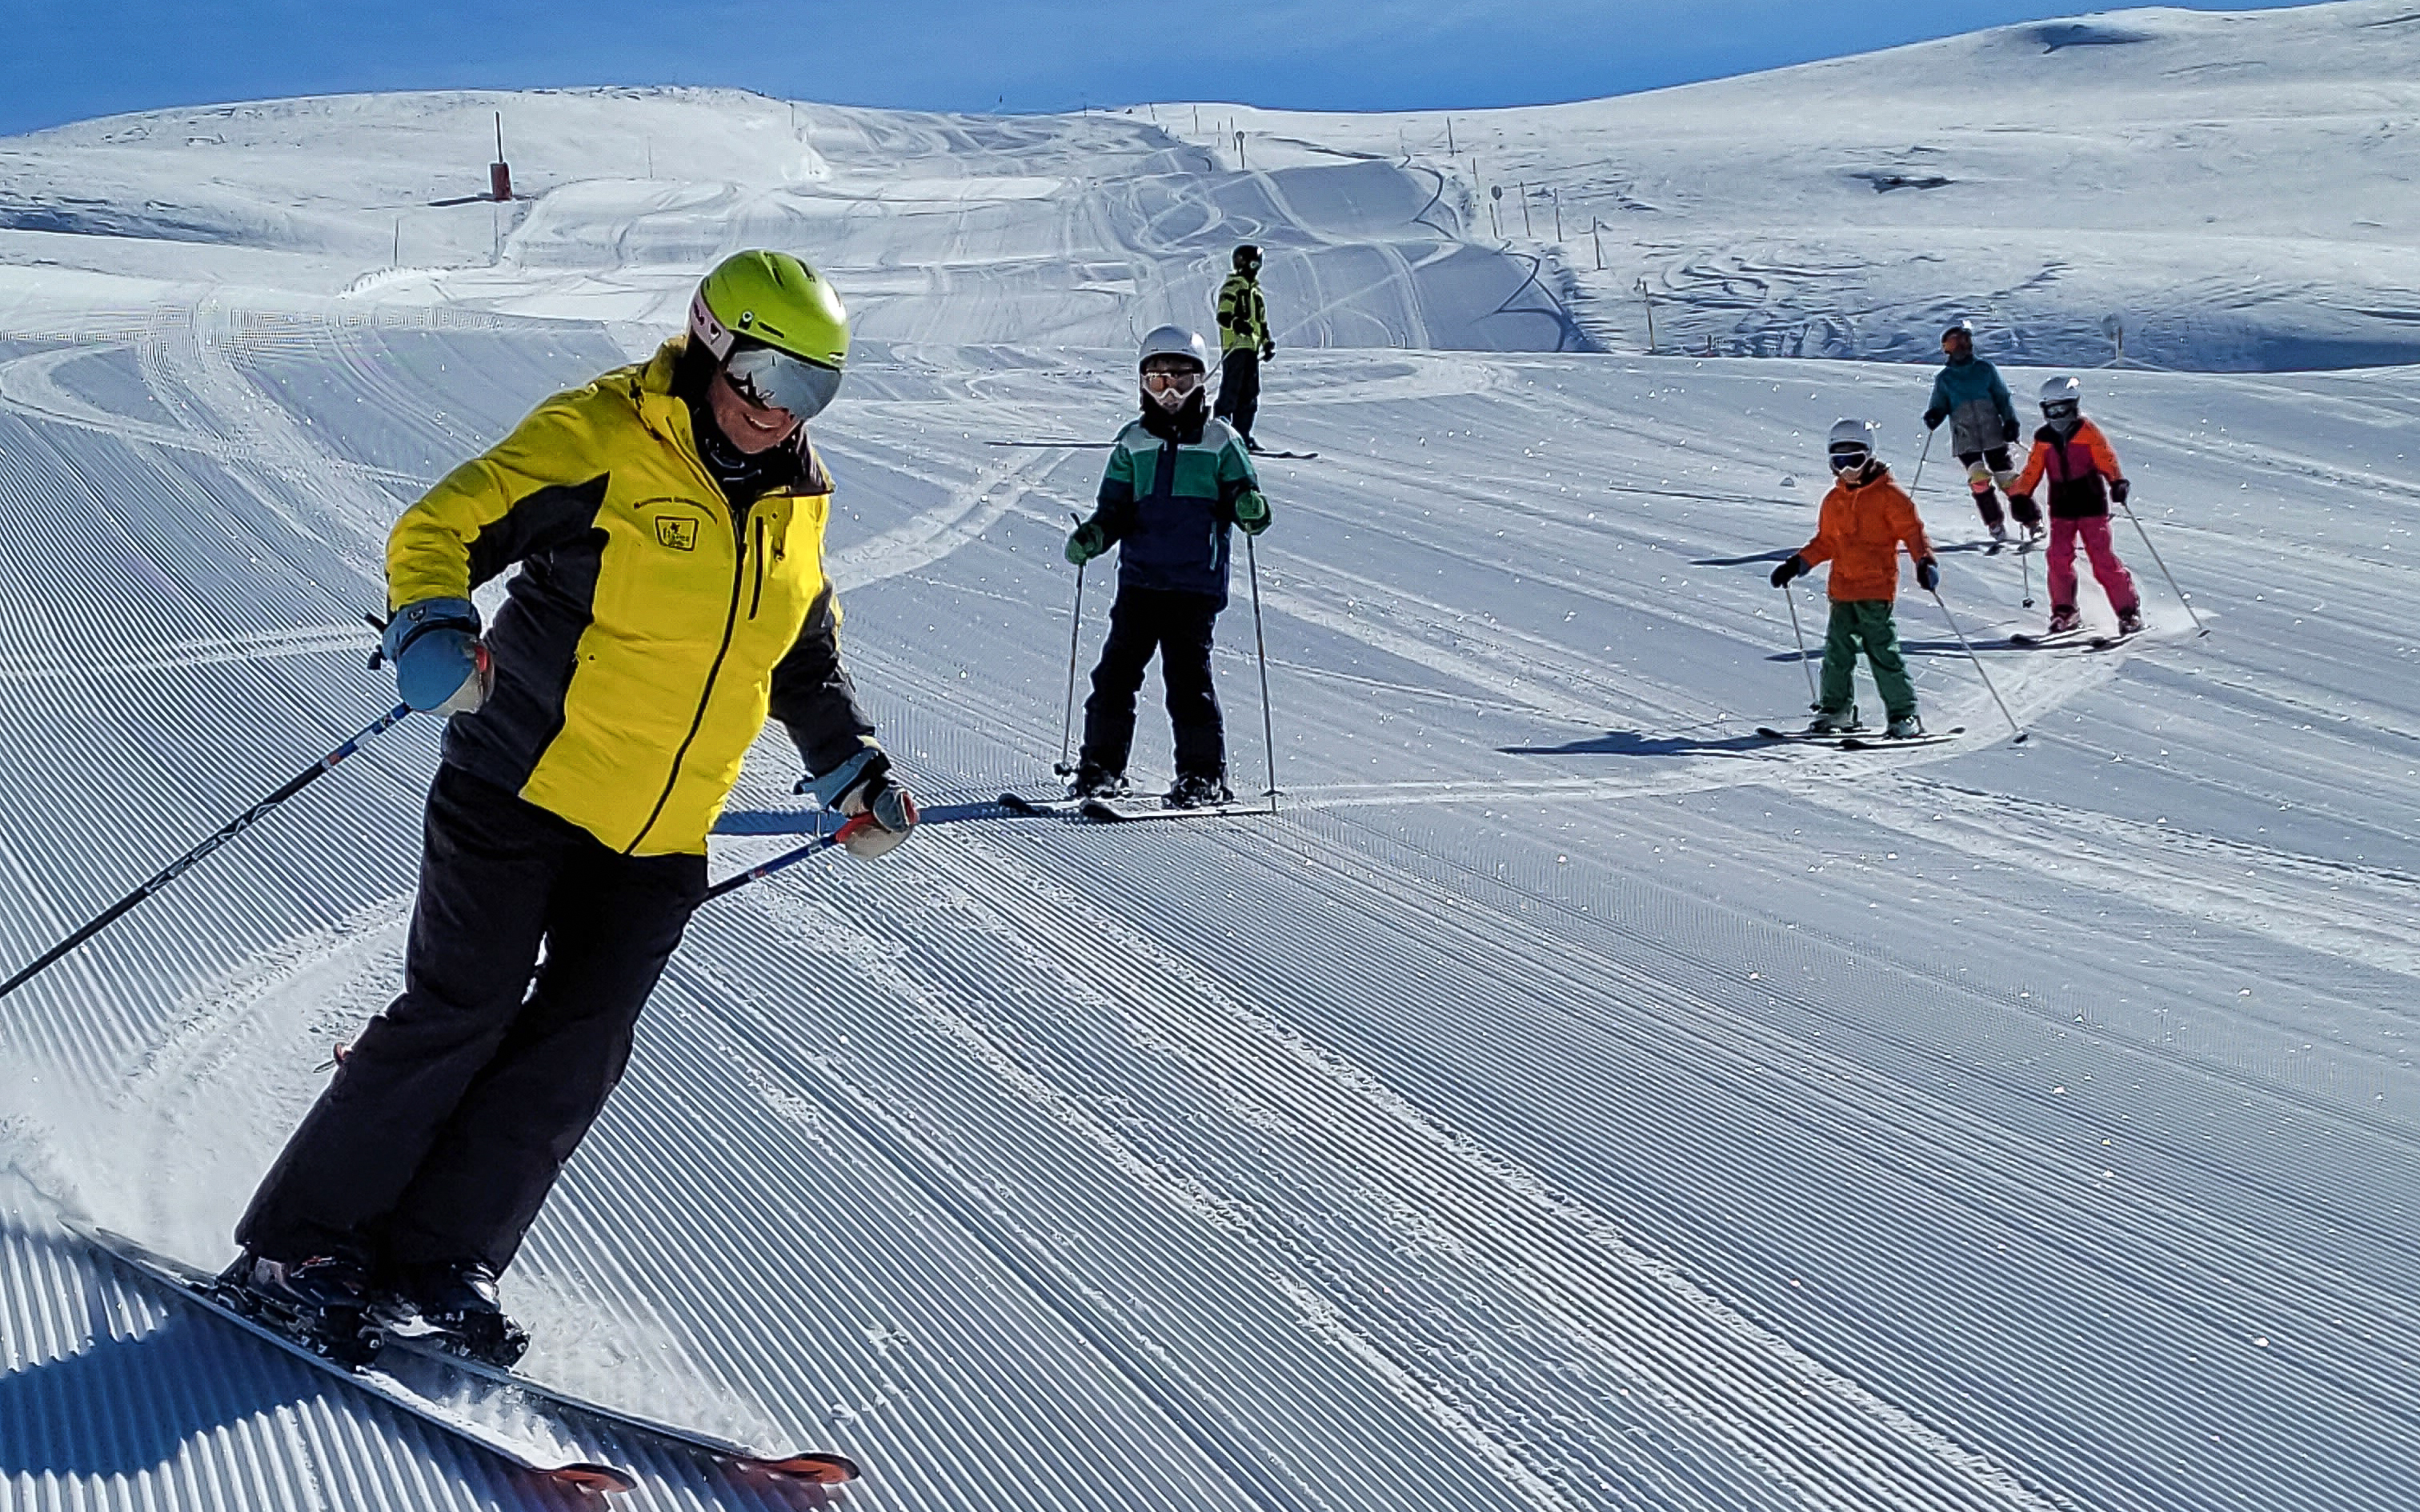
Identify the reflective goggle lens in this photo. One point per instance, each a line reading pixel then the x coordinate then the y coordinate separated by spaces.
pixel 1182 383
pixel 1846 457
pixel 771 379
pixel 2059 410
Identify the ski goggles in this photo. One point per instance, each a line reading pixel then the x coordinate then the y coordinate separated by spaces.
pixel 1182 380
pixel 1850 458
pixel 772 379
pixel 2058 409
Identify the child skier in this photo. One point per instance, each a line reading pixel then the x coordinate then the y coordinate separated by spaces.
pixel 1982 423
pixel 1177 478
pixel 1866 517
pixel 1243 344
pixel 2072 453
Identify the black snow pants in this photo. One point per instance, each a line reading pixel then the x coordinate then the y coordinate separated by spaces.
pixel 449 1119
pixel 1177 626
pixel 1239 390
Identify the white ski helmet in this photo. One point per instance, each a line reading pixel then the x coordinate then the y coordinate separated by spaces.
pixel 1960 326
pixel 1174 340
pixel 1851 444
pixel 2062 404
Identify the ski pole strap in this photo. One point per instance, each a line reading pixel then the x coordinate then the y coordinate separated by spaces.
pixel 226 832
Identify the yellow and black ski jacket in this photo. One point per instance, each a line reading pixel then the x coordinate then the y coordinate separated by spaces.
pixel 1243 315
pixel 654 625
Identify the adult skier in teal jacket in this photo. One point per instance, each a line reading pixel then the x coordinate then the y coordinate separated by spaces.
pixel 1982 425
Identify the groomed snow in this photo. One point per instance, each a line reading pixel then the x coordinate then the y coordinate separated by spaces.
pixel 1566 1101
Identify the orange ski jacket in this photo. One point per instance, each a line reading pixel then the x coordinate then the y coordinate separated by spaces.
pixel 1859 533
pixel 2080 467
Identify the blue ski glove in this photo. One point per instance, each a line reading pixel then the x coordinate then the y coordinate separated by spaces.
pixel 1087 541
pixel 1928 572
pixel 441 664
pixel 1251 509
pixel 1797 566
pixel 879 812
pixel 2119 489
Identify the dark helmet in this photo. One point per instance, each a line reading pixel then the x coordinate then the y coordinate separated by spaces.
pixel 1247 258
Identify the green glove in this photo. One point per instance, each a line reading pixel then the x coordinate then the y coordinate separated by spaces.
pixel 1251 509
pixel 1087 541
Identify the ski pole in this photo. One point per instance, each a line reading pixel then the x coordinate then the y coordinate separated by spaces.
pixel 787 858
pixel 1979 668
pixel 1918 481
pixel 2199 628
pixel 2025 566
pixel 1790 595
pixel 1269 728
pixel 227 832
pixel 1075 637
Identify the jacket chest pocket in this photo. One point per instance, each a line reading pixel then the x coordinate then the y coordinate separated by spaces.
pixel 669 575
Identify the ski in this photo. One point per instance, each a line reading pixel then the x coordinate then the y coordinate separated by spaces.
pixel 1127 810
pixel 822 1467
pixel 1039 808
pixel 1288 457
pixel 202 1287
pixel 1859 739
pixel 2105 642
pixel 2023 641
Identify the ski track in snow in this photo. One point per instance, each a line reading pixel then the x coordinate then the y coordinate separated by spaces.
pixel 1567 1099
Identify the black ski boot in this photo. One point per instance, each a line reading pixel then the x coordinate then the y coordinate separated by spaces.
pixel 458 1299
pixel 1199 790
pixel 322 1301
pixel 1092 782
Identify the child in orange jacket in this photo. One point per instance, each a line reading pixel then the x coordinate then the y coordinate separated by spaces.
pixel 1866 518
pixel 2072 453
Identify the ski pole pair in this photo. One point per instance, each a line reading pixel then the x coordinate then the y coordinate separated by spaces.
pixel 1815 702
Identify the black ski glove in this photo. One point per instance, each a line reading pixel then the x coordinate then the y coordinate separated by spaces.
pixel 2011 430
pixel 1932 418
pixel 1797 566
pixel 2119 489
pixel 2023 504
pixel 1268 349
pixel 1928 572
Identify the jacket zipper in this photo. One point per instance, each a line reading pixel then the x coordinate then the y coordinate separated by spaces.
pixel 697 721
pixel 758 597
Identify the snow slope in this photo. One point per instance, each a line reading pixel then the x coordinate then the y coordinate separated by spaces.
pixel 1565 1103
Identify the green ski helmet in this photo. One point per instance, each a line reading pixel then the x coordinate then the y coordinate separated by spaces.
pixel 776 326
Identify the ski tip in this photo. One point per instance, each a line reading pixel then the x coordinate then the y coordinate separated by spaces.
pixel 598 1480
pixel 822 1469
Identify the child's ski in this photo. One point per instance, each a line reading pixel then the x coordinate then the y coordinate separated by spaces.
pixel 822 1467
pixel 1040 808
pixel 201 1286
pixel 2047 642
pixel 2104 642
pixel 1858 739
pixel 1122 810
pixel 1286 456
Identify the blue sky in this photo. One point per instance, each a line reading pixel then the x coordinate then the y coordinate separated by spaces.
pixel 65 60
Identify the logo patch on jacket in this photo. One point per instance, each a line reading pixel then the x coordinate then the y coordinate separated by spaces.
pixel 680 534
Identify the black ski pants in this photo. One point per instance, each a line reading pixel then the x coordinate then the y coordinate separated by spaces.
pixel 450 1118
pixel 1239 390
pixel 1177 626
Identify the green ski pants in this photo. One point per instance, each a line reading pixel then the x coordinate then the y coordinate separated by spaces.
pixel 1866 622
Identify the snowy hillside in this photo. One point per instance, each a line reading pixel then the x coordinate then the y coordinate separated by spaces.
pixel 1568 1101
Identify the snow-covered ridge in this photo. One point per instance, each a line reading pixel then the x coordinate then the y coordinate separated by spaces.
pixel 2231 192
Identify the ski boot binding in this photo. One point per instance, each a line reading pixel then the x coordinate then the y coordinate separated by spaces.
pixel 458 1300
pixel 1092 782
pixel 321 1302
pixel 1199 790
pixel 1834 722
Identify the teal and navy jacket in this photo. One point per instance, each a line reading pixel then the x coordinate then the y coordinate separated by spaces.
pixel 1982 417
pixel 1243 316
pixel 1167 501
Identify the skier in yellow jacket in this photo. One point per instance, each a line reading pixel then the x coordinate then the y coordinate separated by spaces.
pixel 1244 345
pixel 668 520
